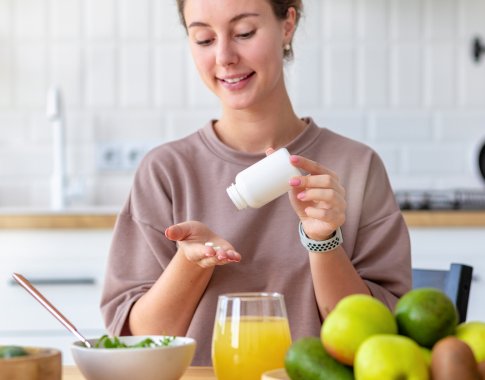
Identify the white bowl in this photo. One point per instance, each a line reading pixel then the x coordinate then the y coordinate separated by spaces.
pixel 153 363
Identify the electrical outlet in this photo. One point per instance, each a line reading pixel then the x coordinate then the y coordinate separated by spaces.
pixel 109 156
pixel 116 156
pixel 132 155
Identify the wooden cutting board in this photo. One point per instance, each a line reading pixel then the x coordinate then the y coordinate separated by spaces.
pixel 277 374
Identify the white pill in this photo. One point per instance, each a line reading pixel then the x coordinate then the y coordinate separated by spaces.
pixel 211 244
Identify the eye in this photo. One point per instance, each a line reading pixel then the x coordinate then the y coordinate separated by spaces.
pixel 202 37
pixel 204 42
pixel 246 35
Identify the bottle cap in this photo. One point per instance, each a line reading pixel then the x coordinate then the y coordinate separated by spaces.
pixel 236 198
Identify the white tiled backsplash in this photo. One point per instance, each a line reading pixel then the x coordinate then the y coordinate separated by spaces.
pixel 395 74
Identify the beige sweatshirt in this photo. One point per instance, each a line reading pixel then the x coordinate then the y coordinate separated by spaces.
pixel 187 180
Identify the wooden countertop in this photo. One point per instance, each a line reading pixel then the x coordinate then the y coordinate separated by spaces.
pixel 57 221
pixel 107 220
pixel 445 218
pixel 192 373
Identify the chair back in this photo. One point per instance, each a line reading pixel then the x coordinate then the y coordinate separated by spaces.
pixel 455 282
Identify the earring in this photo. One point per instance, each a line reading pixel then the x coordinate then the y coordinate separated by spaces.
pixel 287 47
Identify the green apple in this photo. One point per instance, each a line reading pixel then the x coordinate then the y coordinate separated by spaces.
pixel 353 320
pixel 473 333
pixel 389 357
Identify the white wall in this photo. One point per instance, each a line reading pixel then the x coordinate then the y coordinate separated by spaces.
pixel 396 74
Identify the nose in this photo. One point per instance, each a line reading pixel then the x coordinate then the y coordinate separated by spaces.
pixel 226 54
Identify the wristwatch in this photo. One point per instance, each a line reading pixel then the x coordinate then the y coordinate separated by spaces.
pixel 320 246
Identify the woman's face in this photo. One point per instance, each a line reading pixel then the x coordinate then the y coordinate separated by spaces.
pixel 237 48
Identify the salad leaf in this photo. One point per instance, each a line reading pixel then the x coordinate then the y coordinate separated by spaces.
pixel 114 342
pixel 7 352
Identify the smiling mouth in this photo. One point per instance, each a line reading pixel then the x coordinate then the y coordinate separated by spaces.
pixel 236 80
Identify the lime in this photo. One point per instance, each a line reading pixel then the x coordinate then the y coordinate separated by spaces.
pixel 306 359
pixel 426 315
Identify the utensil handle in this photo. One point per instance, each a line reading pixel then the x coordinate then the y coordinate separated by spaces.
pixel 44 302
pixel 58 281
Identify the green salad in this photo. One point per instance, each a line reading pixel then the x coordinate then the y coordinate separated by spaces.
pixel 114 342
pixel 7 352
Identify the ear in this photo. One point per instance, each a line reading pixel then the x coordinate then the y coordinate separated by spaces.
pixel 289 25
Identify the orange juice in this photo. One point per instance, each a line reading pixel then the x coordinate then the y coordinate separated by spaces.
pixel 245 347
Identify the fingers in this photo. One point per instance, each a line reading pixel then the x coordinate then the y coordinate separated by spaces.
pixel 323 204
pixel 319 176
pixel 310 166
pixel 220 253
pixel 318 198
pixel 200 245
pixel 269 151
pixel 212 256
pixel 318 182
pixel 181 231
pixel 218 256
pixel 334 218
pixel 174 233
pixel 325 197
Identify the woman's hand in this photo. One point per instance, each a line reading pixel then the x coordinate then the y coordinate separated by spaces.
pixel 318 199
pixel 192 237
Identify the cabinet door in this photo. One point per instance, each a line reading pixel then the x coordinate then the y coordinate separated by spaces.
pixel 66 266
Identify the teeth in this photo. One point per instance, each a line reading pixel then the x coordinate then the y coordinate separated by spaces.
pixel 234 80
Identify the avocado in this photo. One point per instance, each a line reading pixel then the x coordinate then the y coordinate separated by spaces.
pixel 306 359
pixel 7 352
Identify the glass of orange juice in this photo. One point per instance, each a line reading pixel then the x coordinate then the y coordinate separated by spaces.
pixel 251 335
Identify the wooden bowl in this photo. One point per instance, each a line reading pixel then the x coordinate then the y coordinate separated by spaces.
pixel 277 374
pixel 39 364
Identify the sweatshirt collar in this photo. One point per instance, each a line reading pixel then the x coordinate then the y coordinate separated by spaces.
pixel 297 146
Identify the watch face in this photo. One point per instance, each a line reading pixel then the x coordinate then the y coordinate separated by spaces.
pixel 481 160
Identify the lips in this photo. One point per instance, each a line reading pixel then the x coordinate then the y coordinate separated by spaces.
pixel 235 81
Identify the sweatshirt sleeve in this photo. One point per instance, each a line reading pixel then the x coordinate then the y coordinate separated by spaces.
pixel 382 252
pixel 139 250
pixel 132 268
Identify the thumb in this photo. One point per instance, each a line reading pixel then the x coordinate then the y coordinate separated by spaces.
pixel 178 232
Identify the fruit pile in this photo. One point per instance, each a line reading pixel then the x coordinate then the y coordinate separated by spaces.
pixel 362 339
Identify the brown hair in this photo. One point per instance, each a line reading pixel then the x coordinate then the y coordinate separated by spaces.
pixel 280 10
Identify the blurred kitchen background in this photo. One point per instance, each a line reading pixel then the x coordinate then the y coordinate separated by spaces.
pixel 114 78
pixel 399 75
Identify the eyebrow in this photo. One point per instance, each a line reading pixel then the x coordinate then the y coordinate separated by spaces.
pixel 232 20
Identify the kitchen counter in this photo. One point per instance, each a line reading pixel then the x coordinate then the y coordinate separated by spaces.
pixel 100 220
pixel 192 373
pixel 450 218
pixel 57 221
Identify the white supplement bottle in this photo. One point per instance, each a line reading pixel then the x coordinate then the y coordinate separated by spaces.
pixel 264 181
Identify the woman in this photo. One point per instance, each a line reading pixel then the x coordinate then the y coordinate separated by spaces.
pixel 163 279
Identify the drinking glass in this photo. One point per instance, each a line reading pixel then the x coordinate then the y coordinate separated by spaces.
pixel 251 335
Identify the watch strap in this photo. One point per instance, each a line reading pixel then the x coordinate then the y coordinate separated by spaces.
pixel 320 246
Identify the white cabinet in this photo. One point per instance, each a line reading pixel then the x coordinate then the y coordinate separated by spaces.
pixel 67 267
pixel 436 248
